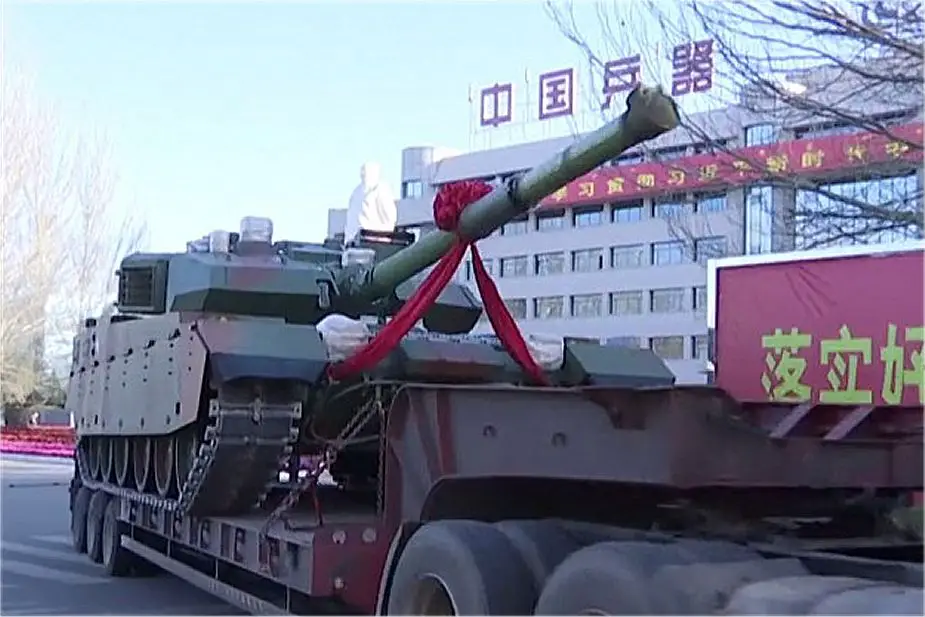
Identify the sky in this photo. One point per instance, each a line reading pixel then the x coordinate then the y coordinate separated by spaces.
pixel 218 110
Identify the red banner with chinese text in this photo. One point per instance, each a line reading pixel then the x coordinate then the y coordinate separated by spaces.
pixel 704 172
pixel 844 330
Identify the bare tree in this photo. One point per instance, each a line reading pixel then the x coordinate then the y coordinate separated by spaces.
pixel 62 236
pixel 833 66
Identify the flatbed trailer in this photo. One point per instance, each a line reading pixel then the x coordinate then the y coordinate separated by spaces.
pixel 643 501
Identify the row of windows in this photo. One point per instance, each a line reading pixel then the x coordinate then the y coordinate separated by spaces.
pixel 631 212
pixel 624 257
pixel 666 347
pixel 618 303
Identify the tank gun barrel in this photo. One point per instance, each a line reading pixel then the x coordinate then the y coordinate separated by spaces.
pixel 649 114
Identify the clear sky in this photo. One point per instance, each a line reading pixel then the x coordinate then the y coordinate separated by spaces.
pixel 219 110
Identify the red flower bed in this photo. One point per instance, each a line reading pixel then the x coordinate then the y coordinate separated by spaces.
pixel 40 440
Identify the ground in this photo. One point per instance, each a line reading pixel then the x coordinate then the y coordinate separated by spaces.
pixel 42 575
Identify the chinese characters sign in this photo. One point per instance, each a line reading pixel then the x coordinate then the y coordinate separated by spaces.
pixel 692 72
pixel 840 331
pixel 742 166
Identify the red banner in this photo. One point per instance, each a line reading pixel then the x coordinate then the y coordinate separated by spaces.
pixel 703 172
pixel 845 330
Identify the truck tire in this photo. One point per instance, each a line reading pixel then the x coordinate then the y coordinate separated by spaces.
pixel 611 578
pixel 79 519
pixel 116 560
pixel 95 525
pixel 543 545
pixel 458 567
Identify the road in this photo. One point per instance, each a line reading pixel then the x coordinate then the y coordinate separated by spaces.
pixel 42 575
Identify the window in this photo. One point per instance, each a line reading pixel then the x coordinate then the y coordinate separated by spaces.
pixel 710 202
pixel 550 221
pixel 489 267
pixel 549 307
pixel 671 207
pixel 670 154
pixel 700 299
pixel 628 256
pixel 700 347
pixel 633 158
pixel 667 300
pixel 709 248
pixel 761 135
pixel 545 264
pixel 588 217
pixel 668 347
pixel 513 266
pixel 587 260
pixel 412 189
pixel 587 305
pixel 711 147
pixel 667 253
pixel 626 213
pixel 759 219
pixel 623 341
pixel 516 227
pixel 626 303
pixel 517 307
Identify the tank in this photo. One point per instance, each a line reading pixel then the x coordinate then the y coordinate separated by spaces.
pixel 210 374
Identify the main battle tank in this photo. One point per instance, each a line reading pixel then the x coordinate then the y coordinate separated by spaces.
pixel 210 375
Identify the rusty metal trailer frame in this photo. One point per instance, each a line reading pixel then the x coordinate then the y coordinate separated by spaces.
pixel 452 451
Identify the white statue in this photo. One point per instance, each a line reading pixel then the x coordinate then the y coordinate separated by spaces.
pixel 372 206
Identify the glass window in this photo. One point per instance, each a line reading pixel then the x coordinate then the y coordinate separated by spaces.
pixel 587 305
pixel 549 307
pixel 670 207
pixel 588 217
pixel 633 158
pixel 546 264
pixel 882 210
pixel 700 347
pixel 759 220
pixel 489 265
pixel 627 256
pixel 761 134
pixel 668 347
pixel 587 260
pixel 516 227
pixel 623 341
pixel 668 253
pixel 700 299
pixel 550 221
pixel 412 189
pixel 667 300
pixel 626 213
pixel 517 307
pixel 710 202
pixel 626 302
pixel 513 266
pixel 709 248
pixel 670 154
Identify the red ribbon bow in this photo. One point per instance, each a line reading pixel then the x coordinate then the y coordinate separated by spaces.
pixel 451 200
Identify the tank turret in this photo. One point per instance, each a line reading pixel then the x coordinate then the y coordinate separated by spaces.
pixel 213 370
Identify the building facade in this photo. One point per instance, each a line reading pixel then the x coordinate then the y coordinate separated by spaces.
pixel 628 266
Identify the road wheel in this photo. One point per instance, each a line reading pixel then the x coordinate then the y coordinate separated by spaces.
pixel 460 568
pixel 79 519
pixel 116 560
pixel 95 525
pixel 543 545
pixel 611 578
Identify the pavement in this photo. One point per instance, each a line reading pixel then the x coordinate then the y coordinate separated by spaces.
pixel 42 575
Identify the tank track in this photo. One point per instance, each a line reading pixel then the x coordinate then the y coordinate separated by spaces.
pixel 238 459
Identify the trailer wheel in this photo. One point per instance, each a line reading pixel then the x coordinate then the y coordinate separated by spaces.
pixel 460 568
pixel 543 545
pixel 116 560
pixel 611 578
pixel 79 510
pixel 95 525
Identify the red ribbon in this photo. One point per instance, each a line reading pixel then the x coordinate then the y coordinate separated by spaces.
pixel 449 204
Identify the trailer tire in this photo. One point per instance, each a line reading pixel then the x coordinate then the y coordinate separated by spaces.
pixel 79 519
pixel 458 567
pixel 116 559
pixel 543 545
pixel 611 578
pixel 95 525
